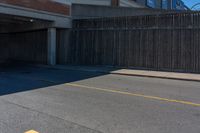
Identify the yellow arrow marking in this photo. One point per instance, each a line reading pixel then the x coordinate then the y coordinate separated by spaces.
pixel 31 131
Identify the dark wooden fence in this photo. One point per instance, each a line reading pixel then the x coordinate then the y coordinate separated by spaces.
pixel 160 42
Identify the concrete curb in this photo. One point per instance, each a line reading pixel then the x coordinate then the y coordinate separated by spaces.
pixel 151 76
pixel 118 73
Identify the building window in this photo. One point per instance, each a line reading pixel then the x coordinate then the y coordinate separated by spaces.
pixel 164 4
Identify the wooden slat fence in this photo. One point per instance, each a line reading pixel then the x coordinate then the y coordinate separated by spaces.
pixel 168 42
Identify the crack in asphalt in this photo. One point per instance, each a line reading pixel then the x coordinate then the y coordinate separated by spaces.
pixel 52 116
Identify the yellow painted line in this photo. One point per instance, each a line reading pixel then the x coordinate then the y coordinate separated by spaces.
pixel 31 131
pixel 135 94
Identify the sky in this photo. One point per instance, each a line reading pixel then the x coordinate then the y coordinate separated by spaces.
pixel 190 3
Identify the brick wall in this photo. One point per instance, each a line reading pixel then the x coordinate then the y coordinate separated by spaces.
pixel 115 2
pixel 44 5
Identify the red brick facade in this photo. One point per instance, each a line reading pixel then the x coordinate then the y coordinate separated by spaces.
pixel 115 2
pixel 44 5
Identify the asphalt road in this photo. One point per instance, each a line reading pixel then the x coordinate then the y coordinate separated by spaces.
pixel 61 101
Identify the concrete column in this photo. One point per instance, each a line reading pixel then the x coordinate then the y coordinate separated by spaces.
pixel 51 46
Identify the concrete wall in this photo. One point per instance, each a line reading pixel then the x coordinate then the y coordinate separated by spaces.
pixel 58 20
pixel 84 11
pixel 142 2
pixel 130 3
pixel 125 3
pixel 90 2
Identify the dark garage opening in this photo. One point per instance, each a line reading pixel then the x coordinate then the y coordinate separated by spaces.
pixel 23 40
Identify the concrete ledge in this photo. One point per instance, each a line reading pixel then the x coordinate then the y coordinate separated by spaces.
pixel 45 5
pixel 158 74
pixel 58 20
pixel 130 72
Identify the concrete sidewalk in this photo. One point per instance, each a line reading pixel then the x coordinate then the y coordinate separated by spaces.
pixel 131 72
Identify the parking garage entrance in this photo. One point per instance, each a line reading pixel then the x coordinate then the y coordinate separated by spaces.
pixel 23 40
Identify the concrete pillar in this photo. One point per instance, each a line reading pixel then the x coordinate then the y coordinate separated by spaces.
pixel 51 46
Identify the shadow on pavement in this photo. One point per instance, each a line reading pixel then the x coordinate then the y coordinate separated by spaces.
pixel 22 77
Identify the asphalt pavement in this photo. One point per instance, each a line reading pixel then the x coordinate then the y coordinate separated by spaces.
pixel 44 100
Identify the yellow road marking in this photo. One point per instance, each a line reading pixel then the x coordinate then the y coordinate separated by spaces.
pixel 31 131
pixel 135 94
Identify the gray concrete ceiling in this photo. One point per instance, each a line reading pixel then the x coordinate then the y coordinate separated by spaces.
pixel 9 23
